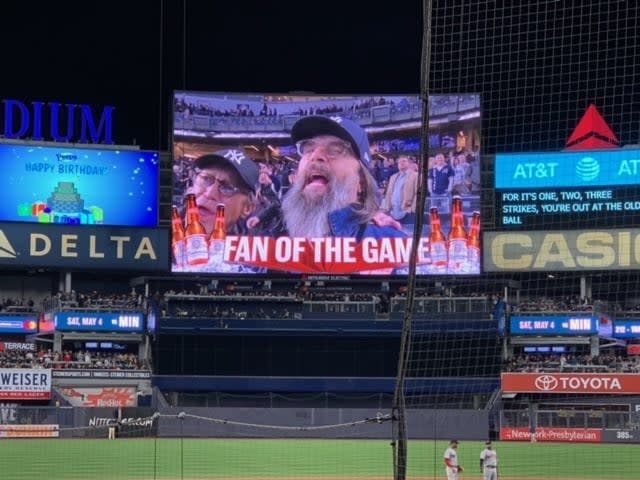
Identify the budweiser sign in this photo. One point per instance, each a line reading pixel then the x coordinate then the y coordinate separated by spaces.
pixel 606 383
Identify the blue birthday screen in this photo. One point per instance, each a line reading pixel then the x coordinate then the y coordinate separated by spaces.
pixel 83 186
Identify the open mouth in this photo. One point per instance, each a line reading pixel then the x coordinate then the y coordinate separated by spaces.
pixel 317 179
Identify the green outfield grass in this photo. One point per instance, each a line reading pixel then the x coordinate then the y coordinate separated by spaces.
pixel 268 458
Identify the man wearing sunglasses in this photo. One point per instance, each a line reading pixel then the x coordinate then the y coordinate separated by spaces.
pixel 228 177
pixel 334 193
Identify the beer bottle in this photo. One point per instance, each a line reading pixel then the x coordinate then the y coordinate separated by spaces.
pixel 217 238
pixel 437 243
pixel 458 252
pixel 195 235
pixel 474 243
pixel 178 244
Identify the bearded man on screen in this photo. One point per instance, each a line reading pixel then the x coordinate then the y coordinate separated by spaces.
pixel 334 193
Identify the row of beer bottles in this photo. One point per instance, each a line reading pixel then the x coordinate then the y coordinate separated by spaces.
pixel 189 243
pixel 461 251
pixel 191 246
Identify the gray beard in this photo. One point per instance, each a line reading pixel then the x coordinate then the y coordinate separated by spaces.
pixel 307 216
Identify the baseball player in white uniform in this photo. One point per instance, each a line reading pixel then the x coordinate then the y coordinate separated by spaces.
pixel 489 462
pixel 451 461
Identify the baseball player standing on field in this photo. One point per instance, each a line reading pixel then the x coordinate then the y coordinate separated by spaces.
pixel 489 462
pixel 451 461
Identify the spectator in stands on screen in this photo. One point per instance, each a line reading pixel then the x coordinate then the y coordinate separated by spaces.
pixel 388 168
pixel 267 218
pixel 288 177
pixel 228 177
pixel 334 193
pixel 402 192
pixel 474 175
pixel 461 175
pixel 440 181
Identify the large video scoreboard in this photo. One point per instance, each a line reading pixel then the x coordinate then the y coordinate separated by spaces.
pixel 316 217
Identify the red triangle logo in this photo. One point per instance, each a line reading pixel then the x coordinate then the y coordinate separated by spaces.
pixel 592 132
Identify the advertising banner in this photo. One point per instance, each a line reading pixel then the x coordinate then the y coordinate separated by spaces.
pixel 545 251
pixel 25 383
pixel 18 323
pixel 102 374
pixel 592 188
pixel 125 422
pixel 600 383
pixel 101 396
pixel 69 185
pixel 93 247
pixel 552 434
pixel 29 431
pixel 324 184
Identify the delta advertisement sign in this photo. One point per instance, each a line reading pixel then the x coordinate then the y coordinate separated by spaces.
pixel 599 383
pixel 25 383
pixel 94 247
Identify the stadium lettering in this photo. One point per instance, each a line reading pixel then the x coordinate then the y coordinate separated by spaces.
pixel 569 250
pixel 591 383
pixel 41 245
pixel 22 121
pixel 19 346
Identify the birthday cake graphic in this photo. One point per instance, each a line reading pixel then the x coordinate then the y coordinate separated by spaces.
pixel 65 199
pixel 65 205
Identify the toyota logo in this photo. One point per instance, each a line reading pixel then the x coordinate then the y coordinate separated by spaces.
pixel 546 382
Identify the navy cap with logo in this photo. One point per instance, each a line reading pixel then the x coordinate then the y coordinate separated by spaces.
pixel 347 130
pixel 241 163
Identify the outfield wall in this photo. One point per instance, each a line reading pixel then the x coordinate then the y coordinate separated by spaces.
pixel 311 422
pixel 198 422
pixel 93 422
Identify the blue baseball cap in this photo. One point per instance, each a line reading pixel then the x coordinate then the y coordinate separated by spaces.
pixel 236 159
pixel 347 130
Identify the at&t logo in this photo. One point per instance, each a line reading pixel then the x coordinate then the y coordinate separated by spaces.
pixel 588 169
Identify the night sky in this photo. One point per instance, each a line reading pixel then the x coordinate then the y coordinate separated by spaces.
pixel 537 64
pixel 133 54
